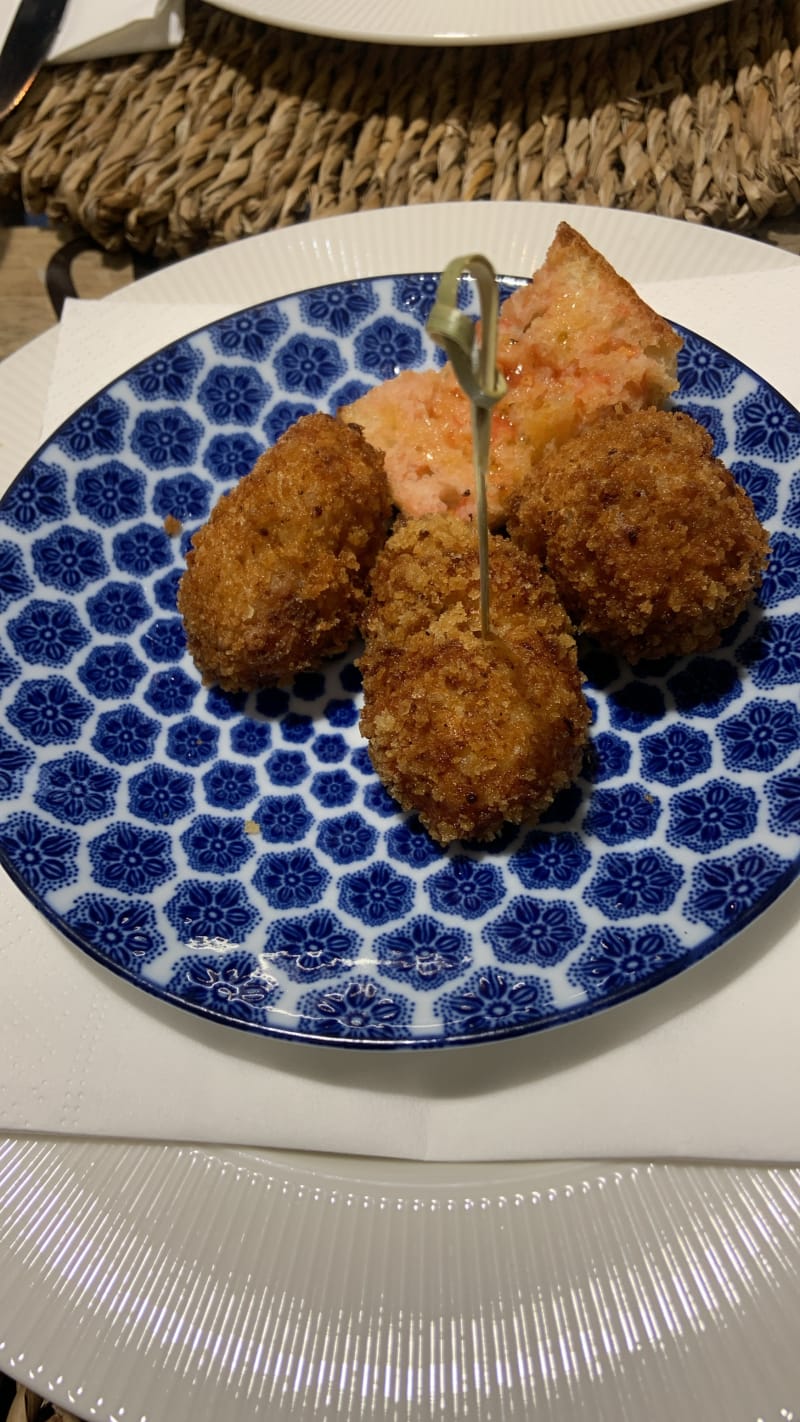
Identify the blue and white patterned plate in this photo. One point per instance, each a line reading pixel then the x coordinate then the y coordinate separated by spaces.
pixel 237 856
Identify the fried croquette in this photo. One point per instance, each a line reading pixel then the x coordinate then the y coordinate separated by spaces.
pixel 467 731
pixel 575 342
pixel 276 578
pixel 652 545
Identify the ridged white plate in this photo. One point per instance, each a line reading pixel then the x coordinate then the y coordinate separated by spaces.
pixel 459 21
pixel 156 1281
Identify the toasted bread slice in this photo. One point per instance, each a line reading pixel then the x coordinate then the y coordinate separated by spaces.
pixel 574 343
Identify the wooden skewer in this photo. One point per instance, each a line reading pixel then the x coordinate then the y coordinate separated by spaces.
pixel 475 367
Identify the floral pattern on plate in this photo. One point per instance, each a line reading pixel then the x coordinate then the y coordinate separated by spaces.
pixel 237 856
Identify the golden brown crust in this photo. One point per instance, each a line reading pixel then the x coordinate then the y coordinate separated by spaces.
pixel 654 331
pixel 653 546
pixel 276 579
pixel 467 732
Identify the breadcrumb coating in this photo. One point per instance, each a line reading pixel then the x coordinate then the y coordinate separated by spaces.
pixel 276 578
pixel 468 732
pixel 653 546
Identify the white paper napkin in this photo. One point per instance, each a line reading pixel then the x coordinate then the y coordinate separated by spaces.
pixel 705 1066
pixel 98 29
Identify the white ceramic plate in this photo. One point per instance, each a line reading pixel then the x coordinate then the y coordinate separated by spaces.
pixel 153 1281
pixel 459 21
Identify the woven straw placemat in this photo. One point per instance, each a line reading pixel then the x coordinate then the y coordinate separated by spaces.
pixel 27 1406
pixel 247 127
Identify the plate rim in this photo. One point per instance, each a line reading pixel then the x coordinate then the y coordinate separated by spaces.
pixel 460 22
